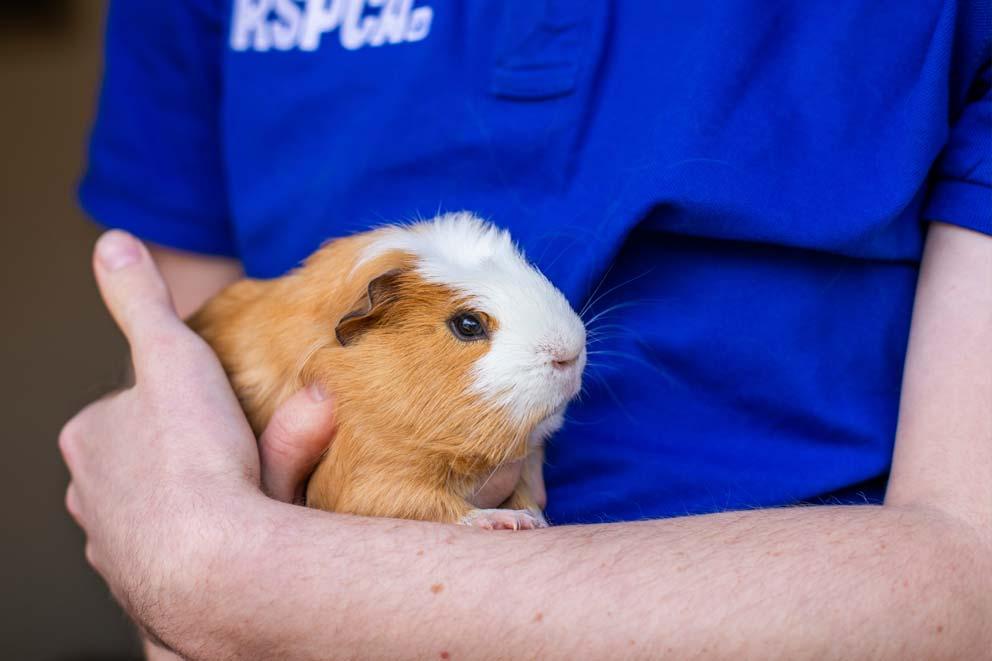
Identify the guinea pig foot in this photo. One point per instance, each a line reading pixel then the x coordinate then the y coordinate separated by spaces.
pixel 504 520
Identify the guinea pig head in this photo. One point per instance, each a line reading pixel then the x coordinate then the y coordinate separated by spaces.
pixel 454 346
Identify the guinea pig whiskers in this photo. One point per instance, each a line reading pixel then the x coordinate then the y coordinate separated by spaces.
pixel 499 464
pixel 601 336
pixel 592 297
pixel 565 241
pixel 625 333
pixel 622 354
pixel 486 481
pixel 585 423
pixel 597 298
pixel 612 308
pixel 616 400
pixel 463 452
pixel 604 327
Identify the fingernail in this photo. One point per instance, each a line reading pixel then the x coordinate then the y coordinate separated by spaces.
pixel 117 249
pixel 317 392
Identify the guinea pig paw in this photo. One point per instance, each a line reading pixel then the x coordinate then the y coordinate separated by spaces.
pixel 504 519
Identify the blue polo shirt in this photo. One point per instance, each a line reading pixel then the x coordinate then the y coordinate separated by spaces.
pixel 738 192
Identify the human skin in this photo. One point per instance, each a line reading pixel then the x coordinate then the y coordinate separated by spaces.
pixel 167 484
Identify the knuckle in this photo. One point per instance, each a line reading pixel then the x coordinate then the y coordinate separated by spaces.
pixel 173 347
pixel 280 437
pixel 91 555
pixel 74 432
pixel 297 430
pixel 68 439
pixel 70 502
pixel 159 341
pixel 330 419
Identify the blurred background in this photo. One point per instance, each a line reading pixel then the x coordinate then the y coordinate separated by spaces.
pixel 60 349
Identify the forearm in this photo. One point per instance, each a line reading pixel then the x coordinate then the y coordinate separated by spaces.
pixel 790 583
pixel 944 443
pixel 167 484
pixel 910 579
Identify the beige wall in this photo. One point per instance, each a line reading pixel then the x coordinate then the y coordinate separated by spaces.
pixel 58 348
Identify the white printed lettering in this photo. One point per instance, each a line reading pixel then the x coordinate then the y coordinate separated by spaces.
pixel 319 18
pixel 249 27
pixel 420 23
pixel 287 26
pixel 392 21
pixel 355 29
pixel 261 25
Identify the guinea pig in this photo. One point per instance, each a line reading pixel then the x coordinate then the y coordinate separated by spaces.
pixel 448 356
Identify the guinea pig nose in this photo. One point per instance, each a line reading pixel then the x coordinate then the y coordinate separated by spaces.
pixel 561 361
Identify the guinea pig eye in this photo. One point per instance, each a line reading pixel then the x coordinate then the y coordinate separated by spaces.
pixel 467 327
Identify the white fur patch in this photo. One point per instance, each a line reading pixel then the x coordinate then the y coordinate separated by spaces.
pixel 536 323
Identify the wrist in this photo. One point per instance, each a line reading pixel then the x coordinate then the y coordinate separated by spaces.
pixel 196 574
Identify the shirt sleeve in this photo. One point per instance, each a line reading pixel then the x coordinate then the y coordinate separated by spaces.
pixel 962 178
pixel 155 161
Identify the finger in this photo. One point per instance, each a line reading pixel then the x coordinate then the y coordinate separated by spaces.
pixel 132 287
pixel 294 441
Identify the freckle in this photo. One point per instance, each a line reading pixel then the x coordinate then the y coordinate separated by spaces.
pixel 881 547
pixel 437 587
pixel 420 552
pixel 631 642
pixel 539 616
pixel 445 655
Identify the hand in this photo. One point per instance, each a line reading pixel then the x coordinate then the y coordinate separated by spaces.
pixel 289 448
pixel 159 471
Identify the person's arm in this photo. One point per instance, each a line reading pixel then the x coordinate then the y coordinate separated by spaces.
pixel 218 570
pixel 910 579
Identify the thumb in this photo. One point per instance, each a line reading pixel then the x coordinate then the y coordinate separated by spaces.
pixel 294 441
pixel 131 287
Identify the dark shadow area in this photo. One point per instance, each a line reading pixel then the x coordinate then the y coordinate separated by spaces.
pixel 40 16
pixel 59 349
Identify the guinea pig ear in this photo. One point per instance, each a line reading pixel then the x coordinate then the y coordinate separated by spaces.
pixel 381 290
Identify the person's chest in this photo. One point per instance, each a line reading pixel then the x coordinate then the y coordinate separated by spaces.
pixel 809 124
